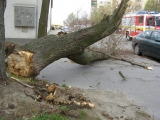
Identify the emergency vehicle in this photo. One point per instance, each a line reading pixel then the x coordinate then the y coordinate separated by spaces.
pixel 133 24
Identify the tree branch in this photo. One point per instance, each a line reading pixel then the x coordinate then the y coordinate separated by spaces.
pixel 26 85
pixel 88 56
pixel 133 63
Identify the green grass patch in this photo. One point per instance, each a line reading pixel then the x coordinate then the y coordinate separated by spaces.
pixel 1 118
pixel 83 115
pixel 65 86
pixel 48 117
pixel 63 108
pixel 24 79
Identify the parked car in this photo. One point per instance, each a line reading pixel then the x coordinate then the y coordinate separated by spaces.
pixel 66 29
pixel 147 43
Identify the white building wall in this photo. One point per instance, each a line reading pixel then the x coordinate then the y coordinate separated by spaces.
pixel 20 32
pixel 23 32
pixel 103 2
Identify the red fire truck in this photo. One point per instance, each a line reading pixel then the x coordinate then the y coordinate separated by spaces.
pixel 133 24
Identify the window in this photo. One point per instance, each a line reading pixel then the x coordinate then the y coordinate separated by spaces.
pixel 155 35
pixel 142 34
pixel 100 2
pixel 149 22
pixel 157 21
pixel 141 19
pixel 146 34
pixel 93 3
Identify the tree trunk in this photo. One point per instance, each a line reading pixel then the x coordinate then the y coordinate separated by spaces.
pixel 2 41
pixel 43 21
pixel 28 60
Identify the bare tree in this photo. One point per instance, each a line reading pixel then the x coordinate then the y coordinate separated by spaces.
pixel 76 20
pixel 71 20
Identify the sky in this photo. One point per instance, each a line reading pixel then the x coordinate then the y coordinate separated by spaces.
pixel 62 8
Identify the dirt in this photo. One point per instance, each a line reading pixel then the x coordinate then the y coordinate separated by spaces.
pixel 18 101
pixel 21 102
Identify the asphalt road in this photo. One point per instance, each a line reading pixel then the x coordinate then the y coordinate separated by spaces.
pixel 141 85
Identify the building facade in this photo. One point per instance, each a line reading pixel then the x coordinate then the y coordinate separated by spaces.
pixel 98 3
pixel 135 4
pixel 22 19
pixel 103 2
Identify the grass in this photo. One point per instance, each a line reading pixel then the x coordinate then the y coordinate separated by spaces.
pixel 48 117
pixel 63 108
pixel 22 78
pixel 65 86
pixel 83 115
pixel 2 118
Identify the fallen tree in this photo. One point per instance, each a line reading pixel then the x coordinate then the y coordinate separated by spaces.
pixel 28 60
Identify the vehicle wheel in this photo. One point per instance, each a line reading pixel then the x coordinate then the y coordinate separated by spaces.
pixel 136 50
pixel 128 36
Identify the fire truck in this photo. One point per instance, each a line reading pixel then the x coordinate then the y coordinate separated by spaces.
pixel 133 24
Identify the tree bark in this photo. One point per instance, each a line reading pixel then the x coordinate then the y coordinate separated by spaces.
pixel 43 21
pixel 88 56
pixel 2 41
pixel 28 60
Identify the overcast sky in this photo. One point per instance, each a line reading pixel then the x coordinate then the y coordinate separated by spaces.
pixel 62 8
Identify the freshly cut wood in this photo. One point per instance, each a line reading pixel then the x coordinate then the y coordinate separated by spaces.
pixel 20 64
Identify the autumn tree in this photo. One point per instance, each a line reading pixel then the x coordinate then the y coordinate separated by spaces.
pixel 29 59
